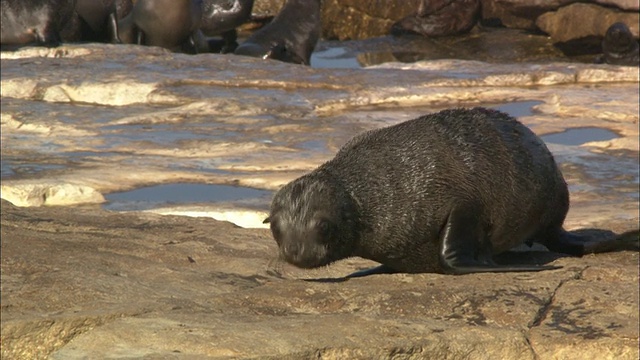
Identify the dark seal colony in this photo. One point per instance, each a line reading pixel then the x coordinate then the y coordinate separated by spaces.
pixel 619 47
pixel 441 193
pixel 290 37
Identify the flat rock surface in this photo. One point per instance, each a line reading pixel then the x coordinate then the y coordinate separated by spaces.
pixel 82 124
pixel 86 283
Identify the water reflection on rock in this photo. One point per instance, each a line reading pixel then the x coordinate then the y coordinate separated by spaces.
pixel 99 119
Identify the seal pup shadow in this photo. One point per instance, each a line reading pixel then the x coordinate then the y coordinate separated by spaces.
pixel 446 192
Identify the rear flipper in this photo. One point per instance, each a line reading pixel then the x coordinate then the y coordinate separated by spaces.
pixel 464 249
pixel 462 266
pixel 594 241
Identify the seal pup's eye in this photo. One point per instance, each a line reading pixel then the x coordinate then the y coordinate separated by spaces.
pixel 324 228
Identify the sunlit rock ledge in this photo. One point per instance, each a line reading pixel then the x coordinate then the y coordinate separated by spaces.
pixel 80 122
pixel 202 135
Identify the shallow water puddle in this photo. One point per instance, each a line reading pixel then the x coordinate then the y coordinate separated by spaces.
pixel 334 58
pixel 518 108
pixel 579 136
pixel 182 193
pixel 8 168
pixel 175 195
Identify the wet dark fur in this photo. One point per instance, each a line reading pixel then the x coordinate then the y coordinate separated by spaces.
pixel 290 37
pixel 441 193
pixel 222 17
pixel 166 23
pixel 439 18
pixel 36 22
pixel 96 20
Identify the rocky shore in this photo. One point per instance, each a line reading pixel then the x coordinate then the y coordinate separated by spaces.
pixel 83 122
pixel 85 283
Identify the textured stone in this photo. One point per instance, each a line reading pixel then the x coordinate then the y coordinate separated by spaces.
pixel 49 193
pixel 90 283
pixel 222 119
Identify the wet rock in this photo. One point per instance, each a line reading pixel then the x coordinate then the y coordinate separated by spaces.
pixel 567 28
pixel 154 117
pixel 497 45
pixel 94 283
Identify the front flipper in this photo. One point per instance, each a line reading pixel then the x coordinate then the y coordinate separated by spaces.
pixel 113 27
pixel 382 269
pixel 465 249
pixel 230 39
pixel 140 36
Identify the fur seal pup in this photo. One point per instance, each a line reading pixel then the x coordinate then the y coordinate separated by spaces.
pixel 439 18
pixel 222 17
pixel 440 193
pixel 33 22
pixel 619 47
pixel 290 37
pixel 166 23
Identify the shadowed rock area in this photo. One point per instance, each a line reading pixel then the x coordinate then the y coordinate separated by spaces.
pixel 80 283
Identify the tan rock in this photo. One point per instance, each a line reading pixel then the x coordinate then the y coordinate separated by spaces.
pixel 522 14
pixel 90 283
pixel 34 193
pixel 568 23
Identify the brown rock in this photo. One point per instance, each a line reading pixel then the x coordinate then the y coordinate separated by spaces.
pixel 360 19
pixel 80 283
pixel 583 20
pixel 349 19
pixel 520 14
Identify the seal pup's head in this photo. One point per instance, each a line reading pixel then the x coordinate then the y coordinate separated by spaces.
pixel 618 38
pixel 314 221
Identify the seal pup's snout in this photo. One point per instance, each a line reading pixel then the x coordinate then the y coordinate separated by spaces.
pixel 302 249
pixel 313 220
